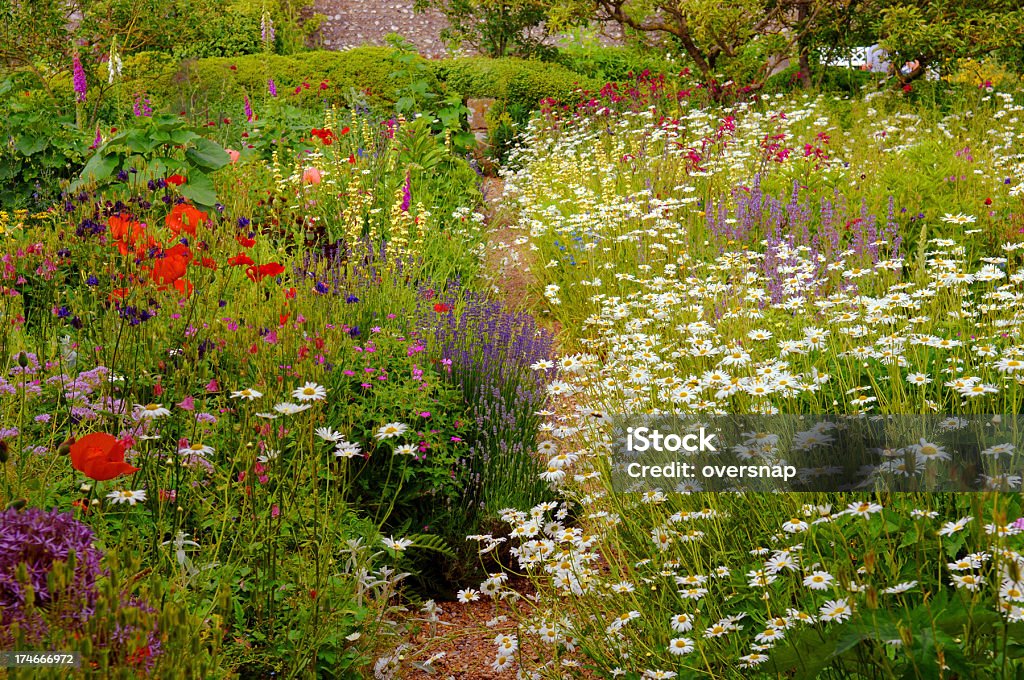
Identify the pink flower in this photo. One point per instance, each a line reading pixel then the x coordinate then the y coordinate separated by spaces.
pixel 188 403
pixel 212 386
pixel 274 510
pixel 234 155
pixel 311 176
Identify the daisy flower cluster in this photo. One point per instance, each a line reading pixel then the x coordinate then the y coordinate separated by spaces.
pixel 699 266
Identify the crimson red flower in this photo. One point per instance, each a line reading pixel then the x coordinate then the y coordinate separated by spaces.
pixel 345 130
pixel 176 179
pixel 324 135
pixel 245 242
pixel 100 456
pixel 441 308
pixel 240 260
pixel 264 270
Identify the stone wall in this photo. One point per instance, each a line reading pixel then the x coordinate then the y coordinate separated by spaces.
pixel 350 23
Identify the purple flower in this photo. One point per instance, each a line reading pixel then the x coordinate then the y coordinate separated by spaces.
pixel 79 76
pixel 267 29
pixel 272 88
pixel 407 192
pixel 248 109
pixel 141 107
pixel 37 539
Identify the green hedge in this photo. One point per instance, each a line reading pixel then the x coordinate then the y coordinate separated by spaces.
pixel 218 83
pixel 215 86
pixel 519 83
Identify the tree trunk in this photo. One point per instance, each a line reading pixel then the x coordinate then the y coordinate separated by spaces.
pixel 802 45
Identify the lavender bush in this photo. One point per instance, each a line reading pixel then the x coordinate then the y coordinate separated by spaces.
pixel 487 351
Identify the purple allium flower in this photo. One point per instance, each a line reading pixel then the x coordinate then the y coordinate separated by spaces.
pixel 79 77
pixel 38 538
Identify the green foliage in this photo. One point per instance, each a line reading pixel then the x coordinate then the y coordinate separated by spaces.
pixel 515 82
pixel 938 33
pixel 41 148
pixel 496 28
pixel 615 63
pixel 131 611
pixel 309 80
pixel 152 149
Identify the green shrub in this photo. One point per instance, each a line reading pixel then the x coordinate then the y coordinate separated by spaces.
pixel 515 82
pixel 615 63
pixel 308 79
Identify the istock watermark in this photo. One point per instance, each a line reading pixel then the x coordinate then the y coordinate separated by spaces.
pixel 645 439
pixel 743 453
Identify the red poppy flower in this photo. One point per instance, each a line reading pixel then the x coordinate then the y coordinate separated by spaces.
pixel 100 456
pixel 324 135
pixel 173 265
pixel 290 294
pixel 208 262
pixel 240 260
pixel 245 242
pixel 185 217
pixel 125 230
pixel 283 319
pixel 345 130
pixel 176 179
pixel 264 270
pixel 119 294
pixel 441 308
pixel 184 287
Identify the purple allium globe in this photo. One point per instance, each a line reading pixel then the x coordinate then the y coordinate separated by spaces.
pixel 38 538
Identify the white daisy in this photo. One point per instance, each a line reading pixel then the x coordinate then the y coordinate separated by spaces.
pixel 127 496
pixel 248 393
pixel 151 411
pixel 391 430
pixel 310 392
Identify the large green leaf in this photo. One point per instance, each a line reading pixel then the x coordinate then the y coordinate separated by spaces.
pixel 30 144
pixel 98 168
pixel 199 189
pixel 208 154
pixel 138 141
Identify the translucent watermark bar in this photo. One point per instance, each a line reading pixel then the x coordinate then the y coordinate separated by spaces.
pixel 781 453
